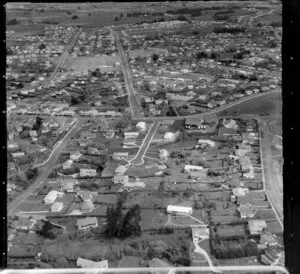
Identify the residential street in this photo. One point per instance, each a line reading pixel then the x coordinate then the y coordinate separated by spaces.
pixel 43 172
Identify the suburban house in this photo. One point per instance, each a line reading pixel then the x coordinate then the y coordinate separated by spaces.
pixel 75 156
pixel 246 211
pixel 239 191
pixel 57 206
pixel 230 123
pixel 200 232
pixel 68 185
pixel 169 136
pixel 121 179
pixel 190 168
pixel 141 126
pixel 274 255
pixel 18 154
pixel 120 170
pixel 163 154
pixel 130 135
pixel 87 172
pixel 109 134
pixel 120 156
pixel 24 224
pixel 87 223
pixel 87 206
pixel 173 209
pixel 67 164
pixel 84 263
pixel 133 185
pixel 256 226
pixel 52 196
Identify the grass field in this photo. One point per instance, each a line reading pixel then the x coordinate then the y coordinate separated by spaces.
pixel 265 105
pixel 227 231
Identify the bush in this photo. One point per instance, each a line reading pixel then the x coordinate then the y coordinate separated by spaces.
pixel 13 22
pixel 75 17
pixel 31 173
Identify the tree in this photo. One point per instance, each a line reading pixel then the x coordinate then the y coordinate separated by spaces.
pixel 89 14
pixel 42 46
pixel 181 17
pixel 116 18
pixel 121 15
pixel 31 173
pixel 154 57
pixel 74 17
pixel 47 231
pixel 74 101
pixel 13 22
pixel 38 123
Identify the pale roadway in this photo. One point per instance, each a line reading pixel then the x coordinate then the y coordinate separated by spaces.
pixel 43 172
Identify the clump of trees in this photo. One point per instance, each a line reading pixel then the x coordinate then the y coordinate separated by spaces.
pixel 75 17
pixel 13 22
pixel 122 225
pixel 31 173
pixel 38 123
pixel 47 231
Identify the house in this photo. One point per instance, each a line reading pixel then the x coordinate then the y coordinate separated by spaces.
pixel 169 136
pixel 121 179
pixel 200 232
pixel 254 199
pixel 246 211
pixel 245 163
pixel 256 226
pixel 250 173
pixel 202 174
pixel 173 209
pixel 75 156
pixel 238 191
pixel 12 146
pixel 189 168
pixel 87 223
pixel 109 134
pixel 85 195
pixel 130 135
pixel 87 206
pixel 230 123
pixel 57 206
pixel 84 263
pixel 33 134
pixel 68 185
pixel 52 196
pixel 133 185
pixel 120 170
pixel 24 224
pixel 18 154
pixel 67 164
pixel 273 255
pixel 141 126
pixel 87 172
pixel 120 156
pixel 163 154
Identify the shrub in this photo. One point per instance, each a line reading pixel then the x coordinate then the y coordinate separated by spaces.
pixel 75 17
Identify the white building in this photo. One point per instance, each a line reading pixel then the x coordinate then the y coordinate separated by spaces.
pixel 87 223
pixel 120 156
pixel 141 126
pixel 173 209
pixel 129 135
pixel 52 196
pixel 163 154
pixel 57 206
pixel 239 191
pixel 256 226
pixel 120 170
pixel 189 168
pixel 84 263
pixel 169 136
pixel 208 142
pixel 75 156
pixel 87 172
pixel 67 164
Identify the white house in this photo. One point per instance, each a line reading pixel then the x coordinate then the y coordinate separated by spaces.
pixel 87 223
pixel 256 226
pixel 189 168
pixel 120 156
pixel 57 206
pixel 173 209
pixel 84 263
pixel 141 126
pixel 88 172
pixel 52 196
pixel 75 156
pixel 129 135
pixel 121 179
pixel 163 154
pixel 169 136
pixel 120 170
pixel 239 191
pixel 67 164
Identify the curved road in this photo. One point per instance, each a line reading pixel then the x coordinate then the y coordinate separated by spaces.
pixel 43 172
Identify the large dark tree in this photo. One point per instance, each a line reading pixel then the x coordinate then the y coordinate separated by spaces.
pixel 38 123
pixel 47 231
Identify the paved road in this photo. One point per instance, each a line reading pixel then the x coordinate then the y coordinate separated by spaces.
pixel 138 159
pixel 43 172
pixel 272 183
pixel 200 250
pixel 132 96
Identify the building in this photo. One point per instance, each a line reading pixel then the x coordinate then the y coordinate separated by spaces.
pixel 84 263
pixel 87 223
pixel 200 232
pixel 141 126
pixel 87 172
pixel 190 168
pixel 120 156
pixel 239 191
pixel 52 196
pixel 120 179
pixel 201 174
pixel 87 206
pixel 130 135
pixel 207 142
pixel 173 209
pixel 245 163
pixel 57 207
pixel 67 164
pixel 273 255
pixel 133 185
pixel 85 195
pixel 256 226
pixel 246 211
pixel 169 136
pixel 230 123
pixel 75 156
pixel 109 134
pixel 163 154
pixel 68 185
pixel 120 170
pixel 24 224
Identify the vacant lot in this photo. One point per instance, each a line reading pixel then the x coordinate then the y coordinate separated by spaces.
pixel 90 63
pixel 265 105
